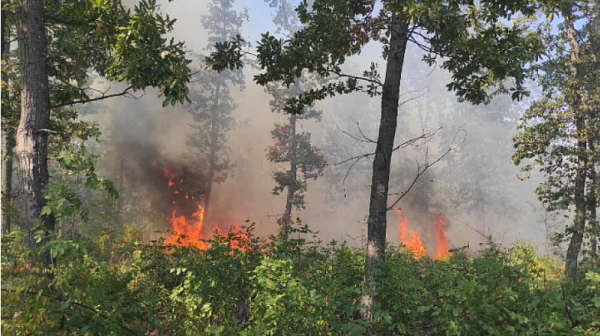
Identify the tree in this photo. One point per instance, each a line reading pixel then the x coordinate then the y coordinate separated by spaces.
pixel 212 103
pixel 9 120
pixel 468 38
pixel 559 130
pixel 291 146
pixel 62 42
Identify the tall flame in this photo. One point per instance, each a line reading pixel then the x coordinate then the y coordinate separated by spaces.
pixel 191 230
pixel 441 239
pixel 410 238
pixel 413 242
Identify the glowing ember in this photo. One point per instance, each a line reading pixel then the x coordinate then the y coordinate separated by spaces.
pixel 410 238
pixel 441 239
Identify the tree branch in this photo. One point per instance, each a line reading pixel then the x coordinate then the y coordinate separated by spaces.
pixel 340 74
pixel 424 169
pixel 102 97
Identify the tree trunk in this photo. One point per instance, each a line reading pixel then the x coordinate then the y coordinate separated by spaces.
pixel 581 169
pixel 286 221
pixel 377 221
pixel 7 168
pixel 120 200
pixel 214 137
pixel 32 134
pixel 592 196
pixel 7 142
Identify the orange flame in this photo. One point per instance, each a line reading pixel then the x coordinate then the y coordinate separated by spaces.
pixel 441 239
pixel 410 238
pixel 191 230
pixel 188 232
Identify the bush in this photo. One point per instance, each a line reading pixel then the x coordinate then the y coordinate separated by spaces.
pixel 242 285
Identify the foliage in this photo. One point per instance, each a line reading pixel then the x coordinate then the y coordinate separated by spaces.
pixel 307 158
pixel 211 102
pixel 250 286
pixel 468 37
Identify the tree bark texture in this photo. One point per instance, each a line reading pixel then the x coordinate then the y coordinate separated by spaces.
pixel 32 133
pixel 377 221
pixel 581 168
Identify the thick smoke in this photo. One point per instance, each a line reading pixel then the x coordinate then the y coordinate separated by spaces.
pixel 474 186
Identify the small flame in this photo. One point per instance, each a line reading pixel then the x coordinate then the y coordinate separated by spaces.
pixel 410 238
pixel 441 239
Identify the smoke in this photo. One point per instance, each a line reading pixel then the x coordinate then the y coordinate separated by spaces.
pixel 474 187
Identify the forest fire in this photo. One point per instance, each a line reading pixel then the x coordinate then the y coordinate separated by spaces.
pixel 412 240
pixel 187 219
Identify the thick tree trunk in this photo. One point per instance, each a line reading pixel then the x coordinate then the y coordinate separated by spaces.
pixel 32 134
pixel 377 221
pixel 581 169
pixel 7 142
pixel 286 221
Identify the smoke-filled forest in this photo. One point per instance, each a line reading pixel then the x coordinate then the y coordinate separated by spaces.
pixel 287 167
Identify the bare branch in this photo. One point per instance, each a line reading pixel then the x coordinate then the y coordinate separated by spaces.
pixel 365 139
pixel 415 97
pixel 422 170
pixel 102 97
pixel 412 141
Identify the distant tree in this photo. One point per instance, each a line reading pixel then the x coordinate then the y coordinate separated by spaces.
pixel 290 145
pixel 58 43
pixel 559 130
pixel 212 104
pixel 468 37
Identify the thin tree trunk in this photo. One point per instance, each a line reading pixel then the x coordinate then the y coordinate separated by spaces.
pixel 581 170
pixel 7 168
pixel 120 200
pixel 32 134
pixel 286 221
pixel 592 196
pixel 377 221
pixel 7 142
pixel 214 137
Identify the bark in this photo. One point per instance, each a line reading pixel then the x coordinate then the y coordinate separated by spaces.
pixel 286 221
pixel 581 169
pixel 377 221
pixel 32 133
pixel 8 137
